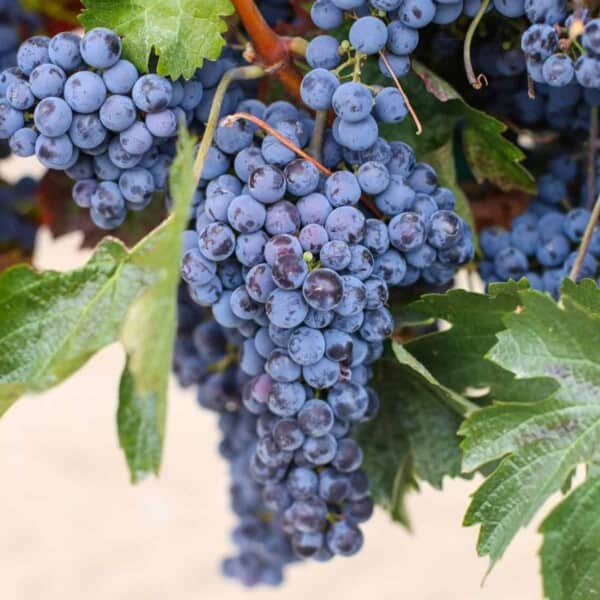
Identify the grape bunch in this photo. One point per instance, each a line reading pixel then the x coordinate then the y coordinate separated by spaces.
pixel 507 94
pixel 290 259
pixel 565 110
pixel 428 238
pixel 78 107
pixel 390 27
pixel 543 242
pixel 17 227
pixel 294 280
pixel 206 356
pixel 562 49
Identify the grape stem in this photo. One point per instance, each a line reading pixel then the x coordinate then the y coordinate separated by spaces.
pixel 235 74
pixel 460 405
pixel 288 144
pixel 409 106
pixel 530 88
pixel 270 48
pixel 344 65
pixel 357 67
pixel 297 46
pixel 278 136
pixel 480 80
pixel 227 361
pixel 315 148
pixel 585 242
pixel 591 164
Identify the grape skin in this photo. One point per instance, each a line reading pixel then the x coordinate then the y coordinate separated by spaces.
pixel 121 77
pixel 85 92
pixel 63 51
pixel 317 89
pixel 19 95
pixel 101 48
pixel 22 142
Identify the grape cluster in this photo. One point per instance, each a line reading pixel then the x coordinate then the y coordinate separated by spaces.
pixel 290 259
pixel 294 279
pixel 206 356
pixel 427 238
pixel 17 227
pixel 543 242
pixel 565 109
pixel 78 107
pixel 388 26
pixel 552 56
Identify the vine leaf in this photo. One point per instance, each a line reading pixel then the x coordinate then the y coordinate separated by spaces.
pixel 148 333
pixel 490 155
pixel 571 549
pixel 182 34
pixel 456 356
pixel 539 443
pixel 387 461
pixel 414 436
pixel 52 323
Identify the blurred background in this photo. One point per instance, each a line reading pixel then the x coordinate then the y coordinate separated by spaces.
pixel 72 526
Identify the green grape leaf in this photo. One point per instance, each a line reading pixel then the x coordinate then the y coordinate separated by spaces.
pixel 571 549
pixel 491 156
pixel 457 356
pixel 52 323
pixel 182 34
pixel 387 460
pixel 148 334
pixel 541 442
pixel 414 436
pixel 441 108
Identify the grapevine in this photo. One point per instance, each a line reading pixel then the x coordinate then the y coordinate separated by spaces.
pixel 379 264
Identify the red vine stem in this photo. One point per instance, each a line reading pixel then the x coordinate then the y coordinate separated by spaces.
pixel 288 144
pixel 270 47
pixel 411 110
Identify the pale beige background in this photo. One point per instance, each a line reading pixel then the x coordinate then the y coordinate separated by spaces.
pixel 72 528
